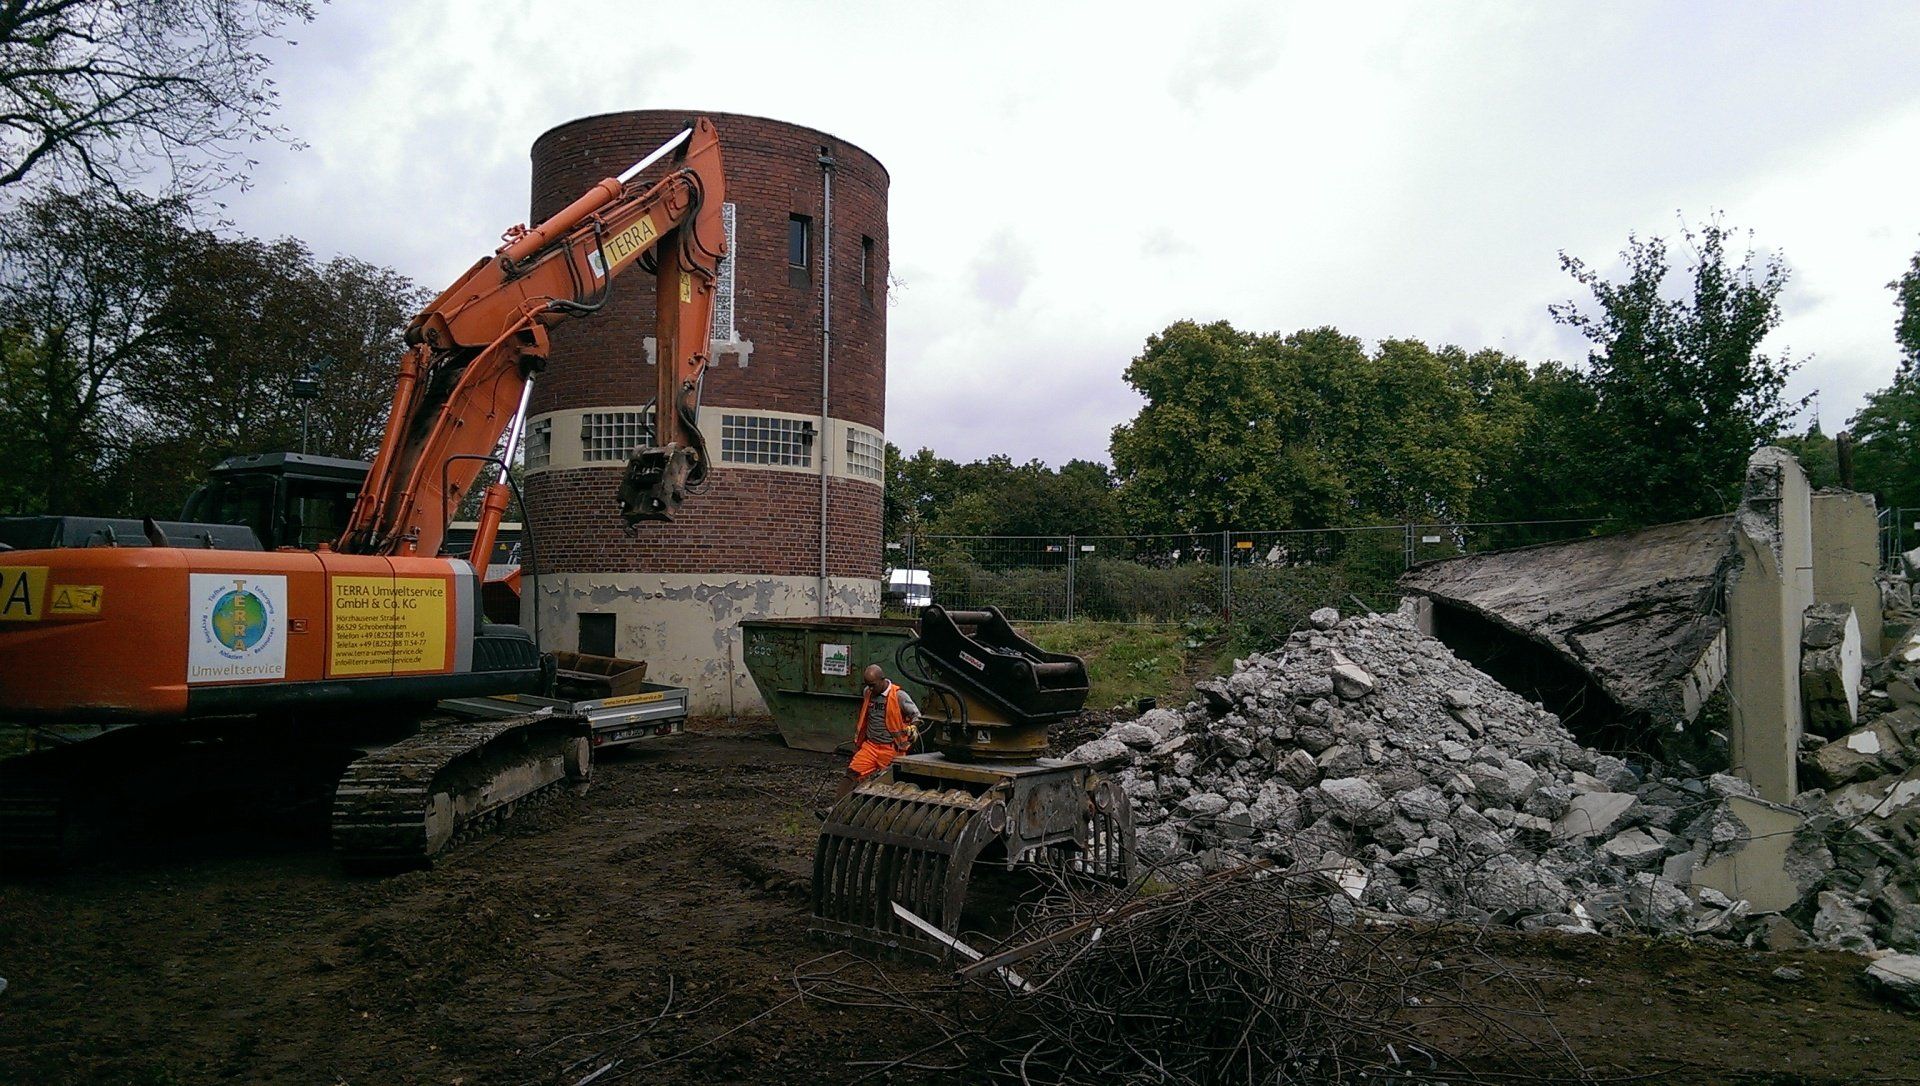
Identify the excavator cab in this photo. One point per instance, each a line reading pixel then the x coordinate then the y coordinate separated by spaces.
pixel 256 502
pixel 288 499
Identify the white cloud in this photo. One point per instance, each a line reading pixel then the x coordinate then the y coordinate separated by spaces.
pixel 1069 178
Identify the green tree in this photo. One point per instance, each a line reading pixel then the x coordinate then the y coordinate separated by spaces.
pixel 136 351
pixel 917 487
pixel 1205 452
pixel 1886 457
pixel 83 282
pixel 1311 430
pixel 1906 328
pixel 1682 392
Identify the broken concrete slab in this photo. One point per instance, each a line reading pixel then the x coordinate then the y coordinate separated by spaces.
pixel 1830 668
pixel 1756 872
pixel 1633 611
pixel 1897 976
pixel 1592 814
pixel 1882 798
pixel 1846 560
pixel 1857 756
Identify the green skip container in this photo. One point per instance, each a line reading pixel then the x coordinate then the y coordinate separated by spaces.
pixel 808 672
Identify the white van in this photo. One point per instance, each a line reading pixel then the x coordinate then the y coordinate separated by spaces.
pixel 908 588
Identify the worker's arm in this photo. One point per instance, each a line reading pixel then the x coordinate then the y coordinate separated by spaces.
pixel 910 716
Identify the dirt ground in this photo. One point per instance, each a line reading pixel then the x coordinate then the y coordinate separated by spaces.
pixel 677 884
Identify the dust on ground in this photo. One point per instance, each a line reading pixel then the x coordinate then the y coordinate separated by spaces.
pixel 678 884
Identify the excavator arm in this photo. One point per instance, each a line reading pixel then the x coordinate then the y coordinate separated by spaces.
pixel 473 352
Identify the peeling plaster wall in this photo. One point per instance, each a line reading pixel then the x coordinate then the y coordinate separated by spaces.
pixel 685 625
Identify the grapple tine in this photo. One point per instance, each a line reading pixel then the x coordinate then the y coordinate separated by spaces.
pixel 899 840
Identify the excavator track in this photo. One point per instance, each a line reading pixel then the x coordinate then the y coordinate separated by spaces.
pixel 33 811
pixel 403 805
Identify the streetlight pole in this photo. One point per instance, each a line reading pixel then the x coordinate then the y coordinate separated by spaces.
pixel 306 389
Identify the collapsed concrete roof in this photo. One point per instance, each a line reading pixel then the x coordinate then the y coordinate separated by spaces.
pixel 1637 612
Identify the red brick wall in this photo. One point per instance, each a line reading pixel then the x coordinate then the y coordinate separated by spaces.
pixel 773 172
pixel 750 521
pixel 747 521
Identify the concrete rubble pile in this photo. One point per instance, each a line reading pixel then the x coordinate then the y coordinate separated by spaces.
pixel 1365 750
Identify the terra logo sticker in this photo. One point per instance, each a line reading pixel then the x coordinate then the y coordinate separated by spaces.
pixel 240 627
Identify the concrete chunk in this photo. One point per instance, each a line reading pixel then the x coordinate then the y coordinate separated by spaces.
pixel 1098 750
pixel 1898 976
pixel 1830 668
pixel 1858 756
pixel 1350 680
pixel 1636 849
pixel 1356 800
pixel 1592 814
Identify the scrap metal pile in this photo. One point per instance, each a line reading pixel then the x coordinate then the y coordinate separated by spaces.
pixel 1364 750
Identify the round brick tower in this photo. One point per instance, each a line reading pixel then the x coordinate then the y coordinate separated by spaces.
pixel 793 409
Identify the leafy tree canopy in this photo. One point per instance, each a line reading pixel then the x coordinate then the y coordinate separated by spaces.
pixel 137 350
pixel 1682 394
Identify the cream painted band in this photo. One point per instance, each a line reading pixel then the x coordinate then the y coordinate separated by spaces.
pixel 564 450
pixel 686 626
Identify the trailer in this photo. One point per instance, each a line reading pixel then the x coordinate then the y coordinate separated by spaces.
pixel 652 711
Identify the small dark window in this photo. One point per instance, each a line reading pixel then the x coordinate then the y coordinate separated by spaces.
pixel 596 634
pixel 799 239
pixel 866 264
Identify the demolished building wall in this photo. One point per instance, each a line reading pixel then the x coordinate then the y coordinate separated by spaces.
pixel 1768 592
pixel 1658 619
pixel 1846 560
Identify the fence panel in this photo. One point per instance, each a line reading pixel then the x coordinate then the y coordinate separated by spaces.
pixel 1266 579
pixel 1899 532
pixel 1025 576
pixel 1149 578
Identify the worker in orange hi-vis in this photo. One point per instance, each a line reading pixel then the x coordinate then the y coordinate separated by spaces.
pixel 887 728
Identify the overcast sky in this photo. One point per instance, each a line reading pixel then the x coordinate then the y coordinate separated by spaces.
pixel 1069 178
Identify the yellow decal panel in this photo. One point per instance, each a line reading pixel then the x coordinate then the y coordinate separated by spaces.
pixel 76 599
pixel 632 699
pixel 387 625
pixel 23 593
pixel 628 243
pixel 686 288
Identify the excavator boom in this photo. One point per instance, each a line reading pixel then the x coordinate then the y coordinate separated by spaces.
pixel 476 346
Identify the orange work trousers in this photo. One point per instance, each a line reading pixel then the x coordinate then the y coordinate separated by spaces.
pixel 871 757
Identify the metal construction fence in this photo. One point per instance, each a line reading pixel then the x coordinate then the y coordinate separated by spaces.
pixel 1899 533
pixel 1275 576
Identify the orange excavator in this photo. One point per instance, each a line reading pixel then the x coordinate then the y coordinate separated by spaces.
pixel 181 636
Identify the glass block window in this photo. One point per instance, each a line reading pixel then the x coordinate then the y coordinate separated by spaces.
pixel 613 435
pixel 866 457
pixel 539 447
pixel 723 290
pixel 759 439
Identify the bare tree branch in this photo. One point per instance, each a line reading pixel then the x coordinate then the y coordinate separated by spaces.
pixel 111 92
